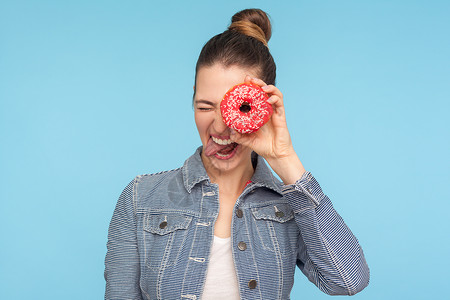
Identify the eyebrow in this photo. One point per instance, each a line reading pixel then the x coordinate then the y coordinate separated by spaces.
pixel 204 102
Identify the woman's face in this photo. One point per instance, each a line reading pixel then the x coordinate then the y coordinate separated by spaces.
pixel 211 85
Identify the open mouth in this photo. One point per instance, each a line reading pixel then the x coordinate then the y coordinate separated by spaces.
pixel 227 152
pixel 222 148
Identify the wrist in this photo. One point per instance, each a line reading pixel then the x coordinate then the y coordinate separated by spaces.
pixel 288 168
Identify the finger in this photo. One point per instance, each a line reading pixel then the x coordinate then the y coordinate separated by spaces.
pixel 271 89
pixel 248 79
pixel 277 102
pixel 274 100
pixel 258 81
pixel 277 105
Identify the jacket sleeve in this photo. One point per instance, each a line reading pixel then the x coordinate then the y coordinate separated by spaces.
pixel 122 268
pixel 329 254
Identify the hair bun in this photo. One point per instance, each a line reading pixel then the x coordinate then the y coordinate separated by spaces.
pixel 252 22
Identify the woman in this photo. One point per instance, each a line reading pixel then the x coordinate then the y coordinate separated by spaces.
pixel 222 226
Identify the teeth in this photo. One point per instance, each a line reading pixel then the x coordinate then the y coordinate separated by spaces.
pixel 221 142
pixel 221 155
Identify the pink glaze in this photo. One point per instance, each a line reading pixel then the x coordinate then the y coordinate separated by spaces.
pixel 245 122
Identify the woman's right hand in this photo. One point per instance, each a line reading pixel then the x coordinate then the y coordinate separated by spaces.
pixel 272 141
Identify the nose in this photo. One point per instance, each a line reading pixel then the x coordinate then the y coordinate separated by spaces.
pixel 219 124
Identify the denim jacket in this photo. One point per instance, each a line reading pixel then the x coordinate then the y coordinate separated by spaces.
pixel 162 231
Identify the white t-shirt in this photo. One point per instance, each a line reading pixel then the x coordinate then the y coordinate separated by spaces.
pixel 221 281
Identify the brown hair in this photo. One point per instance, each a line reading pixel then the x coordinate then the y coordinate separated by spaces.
pixel 244 44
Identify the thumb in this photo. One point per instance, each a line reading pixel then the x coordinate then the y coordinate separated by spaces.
pixel 236 137
pixel 240 138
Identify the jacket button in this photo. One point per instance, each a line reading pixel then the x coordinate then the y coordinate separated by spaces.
pixel 279 214
pixel 239 213
pixel 242 246
pixel 163 225
pixel 252 284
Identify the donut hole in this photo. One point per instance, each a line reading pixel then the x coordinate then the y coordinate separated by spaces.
pixel 245 107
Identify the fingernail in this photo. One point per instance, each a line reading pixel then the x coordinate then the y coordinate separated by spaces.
pixel 265 88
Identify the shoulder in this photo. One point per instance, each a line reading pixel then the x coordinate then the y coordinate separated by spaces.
pixel 155 179
pixel 162 174
pixel 154 189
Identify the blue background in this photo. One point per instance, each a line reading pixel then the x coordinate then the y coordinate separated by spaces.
pixel 93 93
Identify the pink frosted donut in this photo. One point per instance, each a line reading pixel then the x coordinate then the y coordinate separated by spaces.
pixel 245 109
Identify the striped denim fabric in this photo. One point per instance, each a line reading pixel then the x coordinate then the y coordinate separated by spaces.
pixel 162 231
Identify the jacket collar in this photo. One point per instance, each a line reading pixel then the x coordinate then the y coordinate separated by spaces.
pixel 194 172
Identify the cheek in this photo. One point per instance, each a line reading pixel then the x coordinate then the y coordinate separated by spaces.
pixel 202 121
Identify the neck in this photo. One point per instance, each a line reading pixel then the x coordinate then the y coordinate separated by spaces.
pixel 232 181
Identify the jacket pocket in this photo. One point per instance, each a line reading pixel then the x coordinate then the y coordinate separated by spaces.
pixel 276 227
pixel 164 237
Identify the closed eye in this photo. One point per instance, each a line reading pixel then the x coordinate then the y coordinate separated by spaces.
pixel 204 108
pixel 204 105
